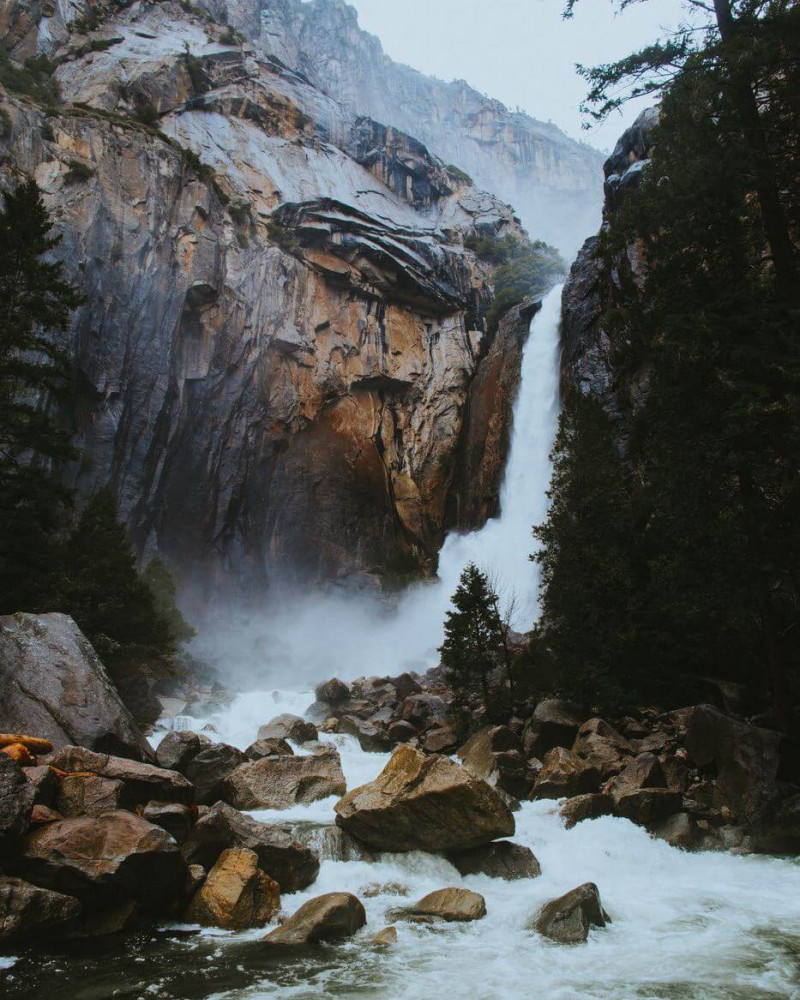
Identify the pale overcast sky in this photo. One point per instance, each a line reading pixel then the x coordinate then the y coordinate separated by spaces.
pixel 519 51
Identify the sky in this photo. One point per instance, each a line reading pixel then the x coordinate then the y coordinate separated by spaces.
pixel 519 51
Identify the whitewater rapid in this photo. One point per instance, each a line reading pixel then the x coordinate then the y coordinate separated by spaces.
pixel 686 926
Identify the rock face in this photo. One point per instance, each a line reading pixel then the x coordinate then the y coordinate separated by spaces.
pixel 16 801
pixel 291 864
pixel 52 683
pixel 280 782
pixel 552 180
pixel 179 748
pixel 424 803
pixel 288 727
pixel 100 860
pixel 301 322
pixel 209 769
pixel 236 894
pixel 331 917
pixel 568 918
pixel 26 910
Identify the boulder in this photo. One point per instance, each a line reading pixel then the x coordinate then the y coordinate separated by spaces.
pixel 778 832
pixel 89 795
pixel 554 723
pixel 442 740
pixel 293 865
pixel 564 774
pixel 44 814
pixel 424 710
pixel 53 684
pixel 332 692
pixel 568 918
pixel 494 755
pixel 745 757
pixel 386 937
pixel 281 782
pixel 268 748
pixel 602 747
pixel 176 751
pixel 426 803
pixel 142 781
pixel 371 739
pixel 27 910
pixel 174 817
pixel 209 768
pixel 44 782
pixel 679 830
pixel 17 796
pixel 288 727
pixel 236 894
pixel 643 771
pixel 331 917
pixel 406 685
pixel 100 859
pixel 401 732
pixel 452 905
pixel 581 807
pixel 501 859
pixel 648 805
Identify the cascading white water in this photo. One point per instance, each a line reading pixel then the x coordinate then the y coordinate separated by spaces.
pixel 330 634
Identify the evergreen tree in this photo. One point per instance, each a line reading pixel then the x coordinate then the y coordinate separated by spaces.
pixel 35 305
pixel 474 639
pixel 585 635
pixel 159 580
pixel 101 589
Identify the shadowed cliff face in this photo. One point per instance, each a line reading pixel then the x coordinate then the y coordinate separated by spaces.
pixel 281 324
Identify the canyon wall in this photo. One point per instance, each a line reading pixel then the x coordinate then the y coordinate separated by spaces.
pixel 282 325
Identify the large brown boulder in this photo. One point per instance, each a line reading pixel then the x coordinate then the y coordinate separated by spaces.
pixel 602 747
pixel 208 769
pixel 89 795
pixel 174 817
pixel 53 684
pixel 268 748
pixel 236 894
pixel 500 859
pixel 563 773
pixel 293 865
pixel 142 782
pixel 371 738
pixel 102 859
pixel 568 918
pixel 17 796
pixel 331 917
pixel 494 754
pixel 590 806
pixel 453 905
pixel 27 910
pixel 332 692
pixel 554 723
pixel 288 727
pixel 281 782
pixel 745 757
pixel 426 803
pixel 643 771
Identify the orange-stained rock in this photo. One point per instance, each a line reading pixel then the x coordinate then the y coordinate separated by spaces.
pixel 20 754
pixel 32 743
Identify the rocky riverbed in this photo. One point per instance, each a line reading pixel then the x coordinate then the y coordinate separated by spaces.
pixel 434 863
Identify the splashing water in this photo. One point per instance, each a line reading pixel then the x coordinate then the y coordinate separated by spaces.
pixel 316 637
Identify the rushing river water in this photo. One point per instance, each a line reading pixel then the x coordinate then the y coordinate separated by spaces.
pixel 704 926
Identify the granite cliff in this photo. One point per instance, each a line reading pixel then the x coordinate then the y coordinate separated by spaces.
pixel 282 323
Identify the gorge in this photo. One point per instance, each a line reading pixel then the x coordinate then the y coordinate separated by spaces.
pixel 321 371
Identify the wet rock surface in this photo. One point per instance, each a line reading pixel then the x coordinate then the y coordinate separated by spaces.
pixel 451 905
pixel 236 894
pixel 283 781
pixel 331 917
pixel 500 859
pixel 567 919
pixel 27 910
pixel 424 803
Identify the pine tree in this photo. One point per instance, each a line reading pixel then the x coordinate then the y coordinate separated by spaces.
pixel 585 636
pixel 474 639
pixel 101 589
pixel 35 305
pixel 161 585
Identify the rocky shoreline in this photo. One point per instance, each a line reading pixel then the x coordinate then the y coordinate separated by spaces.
pixel 95 842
